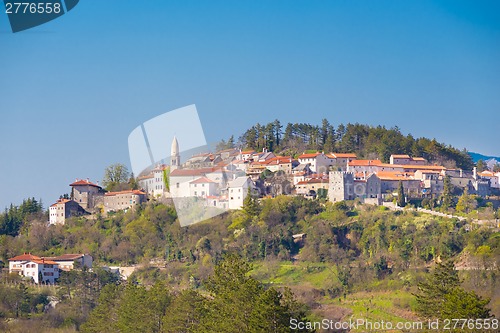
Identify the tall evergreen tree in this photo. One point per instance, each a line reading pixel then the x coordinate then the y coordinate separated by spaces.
pixel 441 296
pixel 446 197
pixel 401 195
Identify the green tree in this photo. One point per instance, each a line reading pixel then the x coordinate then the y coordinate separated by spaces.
pixel 446 197
pixel 185 313
pixel 251 206
pixel 240 303
pixel 116 177
pixel 135 312
pixel 401 201
pixel 481 166
pixel 441 296
pixel 166 178
pixel 132 182
pixel 466 202
pixel 104 316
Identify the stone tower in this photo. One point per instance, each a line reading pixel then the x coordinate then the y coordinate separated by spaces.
pixel 341 186
pixel 175 157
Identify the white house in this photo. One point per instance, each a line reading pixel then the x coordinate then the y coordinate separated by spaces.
pixel 202 187
pixel 340 160
pixel 247 155
pixel 492 177
pixel 15 263
pixel 180 179
pixel 318 162
pixel 237 191
pixel 41 270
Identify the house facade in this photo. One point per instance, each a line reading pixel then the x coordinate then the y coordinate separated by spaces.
pixel 318 162
pixel 86 193
pixel 123 200
pixel 68 262
pixel 237 191
pixel 41 270
pixel 63 209
pixel 202 187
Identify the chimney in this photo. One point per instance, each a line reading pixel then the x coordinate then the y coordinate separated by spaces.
pixel 474 173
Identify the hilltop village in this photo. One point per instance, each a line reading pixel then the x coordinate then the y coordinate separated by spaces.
pixel 223 179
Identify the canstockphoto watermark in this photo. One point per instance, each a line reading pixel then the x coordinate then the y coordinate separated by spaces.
pixel 26 14
pixel 366 325
pixel 355 324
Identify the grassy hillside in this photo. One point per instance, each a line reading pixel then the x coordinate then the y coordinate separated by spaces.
pixel 355 260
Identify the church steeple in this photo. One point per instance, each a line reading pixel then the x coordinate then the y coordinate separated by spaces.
pixel 175 157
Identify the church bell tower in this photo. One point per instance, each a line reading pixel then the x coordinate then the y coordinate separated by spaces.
pixel 175 157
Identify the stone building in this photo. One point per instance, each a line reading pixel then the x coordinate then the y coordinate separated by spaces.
pixel 340 186
pixel 123 200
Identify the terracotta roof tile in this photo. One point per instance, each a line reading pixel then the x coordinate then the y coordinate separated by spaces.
pixel 365 162
pixel 201 181
pixel 312 155
pixel 136 192
pixel 24 257
pixel 83 182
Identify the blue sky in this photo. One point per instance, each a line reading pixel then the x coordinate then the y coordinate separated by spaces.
pixel 73 89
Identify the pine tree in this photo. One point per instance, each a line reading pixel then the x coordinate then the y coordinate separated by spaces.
pixel 446 199
pixel 441 296
pixel 103 317
pixel 481 166
pixel 465 203
pixel 401 195
pixel 251 205
pixel 185 313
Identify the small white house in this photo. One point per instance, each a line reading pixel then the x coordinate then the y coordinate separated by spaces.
pixel 41 270
pixel 237 191
pixel 202 187
pixel 318 162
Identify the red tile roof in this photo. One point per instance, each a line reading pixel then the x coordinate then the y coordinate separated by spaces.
pixel 83 182
pixel 423 167
pixel 136 192
pixel 193 172
pixel 60 201
pixel 202 180
pixel 400 156
pixel 365 162
pixel 343 155
pixel 66 257
pixel 313 181
pixel 395 175
pixel 25 257
pixel 44 261
pixel 312 155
